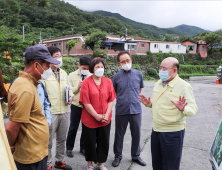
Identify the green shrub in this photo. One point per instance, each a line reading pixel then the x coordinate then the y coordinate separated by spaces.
pixel 210 63
pixel 137 67
pixel 212 71
pixel 151 71
pixel 196 63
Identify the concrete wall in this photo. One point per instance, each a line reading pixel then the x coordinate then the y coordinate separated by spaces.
pixel 161 47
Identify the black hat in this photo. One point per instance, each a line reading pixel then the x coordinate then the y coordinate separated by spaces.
pixel 38 52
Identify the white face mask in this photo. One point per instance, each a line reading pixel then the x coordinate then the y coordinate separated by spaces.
pixel 85 72
pixel 46 73
pixel 99 72
pixel 126 66
pixel 59 65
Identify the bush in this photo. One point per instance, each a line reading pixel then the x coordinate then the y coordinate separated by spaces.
pixel 137 67
pixel 196 63
pixel 151 71
pixel 210 63
pixel 212 71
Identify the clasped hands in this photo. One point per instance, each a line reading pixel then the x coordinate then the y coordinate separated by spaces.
pixel 181 104
pixel 102 118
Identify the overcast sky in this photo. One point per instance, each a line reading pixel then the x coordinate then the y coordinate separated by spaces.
pixel 163 14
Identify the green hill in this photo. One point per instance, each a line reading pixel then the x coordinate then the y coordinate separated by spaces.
pixel 189 30
pixel 147 29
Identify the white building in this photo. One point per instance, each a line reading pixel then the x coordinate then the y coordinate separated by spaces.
pixel 166 47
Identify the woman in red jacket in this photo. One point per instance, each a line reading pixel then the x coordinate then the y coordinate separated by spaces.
pixel 97 96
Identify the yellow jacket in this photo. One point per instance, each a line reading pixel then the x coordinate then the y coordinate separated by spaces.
pixel 166 116
pixel 6 159
pixel 56 92
pixel 74 79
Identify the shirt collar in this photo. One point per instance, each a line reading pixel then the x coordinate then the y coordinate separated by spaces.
pixel 172 82
pixel 29 77
pixel 127 72
pixel 58 69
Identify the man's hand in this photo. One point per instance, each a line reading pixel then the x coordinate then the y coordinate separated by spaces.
pixel 12 149
pixel 143 99
pixel 70 101
pixel 181 103
pixel 79 85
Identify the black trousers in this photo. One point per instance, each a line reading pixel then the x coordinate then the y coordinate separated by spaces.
pixel 41 165
pixel 135 126
pixel 75 118
pixel 96 143
pixel 166 149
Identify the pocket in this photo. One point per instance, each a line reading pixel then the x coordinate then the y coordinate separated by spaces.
pixel 53 100
pixel 168 116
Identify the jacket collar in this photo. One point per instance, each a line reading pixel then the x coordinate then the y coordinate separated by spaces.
pixel 29 77
pixel 172 82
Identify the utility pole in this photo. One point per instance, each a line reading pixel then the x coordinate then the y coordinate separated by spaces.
pixel 23 33
pixel 40 38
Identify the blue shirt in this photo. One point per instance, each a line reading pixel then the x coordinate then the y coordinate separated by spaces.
pixel 127 87
pixel 45 104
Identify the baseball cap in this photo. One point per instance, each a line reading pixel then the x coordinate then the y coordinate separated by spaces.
pixel 38 52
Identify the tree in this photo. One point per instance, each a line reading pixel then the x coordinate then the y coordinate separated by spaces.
pixel 93 39
pixel 71 43
pixel 169 38
pixel 184 37
pixel 212 39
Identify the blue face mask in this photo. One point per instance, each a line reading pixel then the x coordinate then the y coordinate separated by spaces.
pixel 164 75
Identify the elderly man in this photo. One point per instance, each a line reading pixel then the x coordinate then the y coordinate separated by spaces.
pixel 172 102
pixel 27 129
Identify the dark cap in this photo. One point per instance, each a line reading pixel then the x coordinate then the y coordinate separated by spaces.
pixel 38 52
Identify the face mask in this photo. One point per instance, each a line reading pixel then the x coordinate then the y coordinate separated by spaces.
pixel 99 72
pixel 59 65
pixel 164 75
pixel 126 66
pixel 46 73
pixel 85 72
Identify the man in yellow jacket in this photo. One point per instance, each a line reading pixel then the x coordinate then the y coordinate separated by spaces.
pixel 6 159
pixel 171 103
pixel 55 87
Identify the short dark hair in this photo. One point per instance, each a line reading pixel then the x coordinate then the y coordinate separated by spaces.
pixel 95 61
pixel 177 66
pixel 28 63
pixel 53 49
pixel 84 60
pixel 121 53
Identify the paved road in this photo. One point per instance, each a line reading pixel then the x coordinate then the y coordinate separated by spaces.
pixel 199 134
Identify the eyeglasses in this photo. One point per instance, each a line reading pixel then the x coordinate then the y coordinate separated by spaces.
pixel 164 68
pixel 125 61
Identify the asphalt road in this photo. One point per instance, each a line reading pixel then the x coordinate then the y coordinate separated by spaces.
pixel 199 135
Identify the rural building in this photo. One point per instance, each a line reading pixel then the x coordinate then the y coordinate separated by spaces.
pixel 60 42
pixel 195 47
pixel 166 47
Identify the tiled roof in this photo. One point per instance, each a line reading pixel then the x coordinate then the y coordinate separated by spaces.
pixel 165 42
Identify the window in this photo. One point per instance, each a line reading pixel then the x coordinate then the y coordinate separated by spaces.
pixel 131 47
pixel 190 47
pixel 179 47
pixel 155 45
pixel 56 44
pixel 142 45
pixel 167 46
pixel 59 43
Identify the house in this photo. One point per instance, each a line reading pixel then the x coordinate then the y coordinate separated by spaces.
pixel 60 42
pixel 134 45
pixel 195 47
pixel 166 47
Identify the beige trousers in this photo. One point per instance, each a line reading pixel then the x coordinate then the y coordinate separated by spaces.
pixel 59 127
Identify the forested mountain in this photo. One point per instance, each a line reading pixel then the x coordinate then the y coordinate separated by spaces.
pixel 147 29
pixel 189 30
pixel 152 30
pixel 59 19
